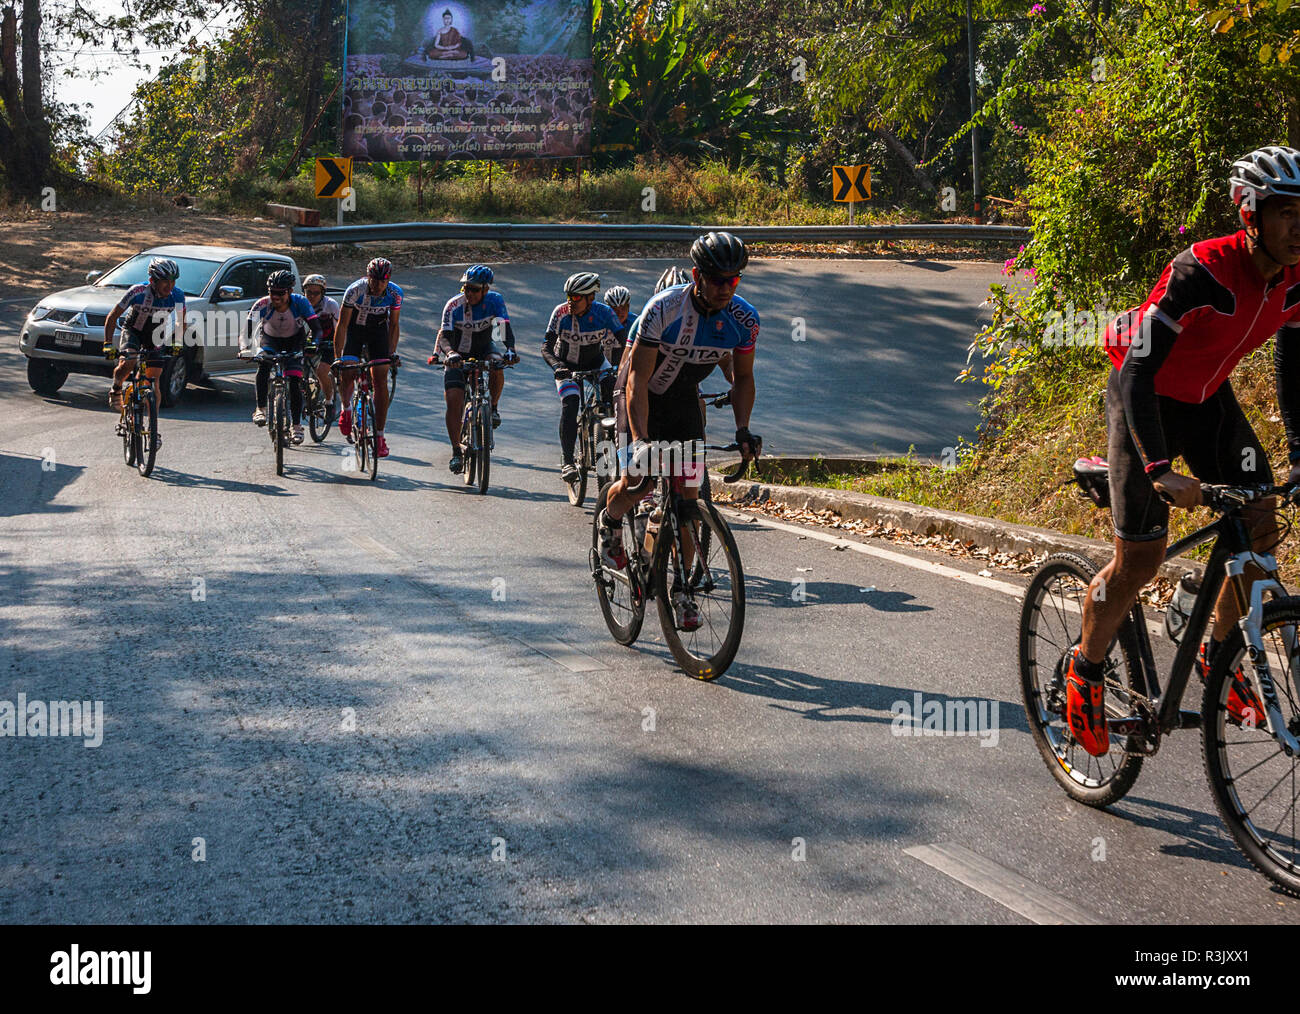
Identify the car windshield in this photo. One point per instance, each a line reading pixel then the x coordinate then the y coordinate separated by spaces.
pixel 195 274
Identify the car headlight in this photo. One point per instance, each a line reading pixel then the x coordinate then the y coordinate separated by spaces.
pixel 41 312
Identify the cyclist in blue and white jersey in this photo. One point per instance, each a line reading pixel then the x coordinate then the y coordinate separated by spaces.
pixel 619 299
pixel 369 328
pixel 145 311
pixel 682 334
pixel 580 335
pixel 472 324
pixel 275 323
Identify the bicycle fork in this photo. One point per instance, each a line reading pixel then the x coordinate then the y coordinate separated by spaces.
pixel 1250 623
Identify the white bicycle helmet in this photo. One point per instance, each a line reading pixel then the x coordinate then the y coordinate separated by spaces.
pixel 1266 172
pixel 584 283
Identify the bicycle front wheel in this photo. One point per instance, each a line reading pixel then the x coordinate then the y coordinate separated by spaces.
pixel 484 447
pixel 716 584
pixel 1256 785
pixel 147 437
pixel 359 422
pixel 392 380
pixel 279 429
pixel 620 593
pixel 128 435
pixel 370 438
pixel 1051 623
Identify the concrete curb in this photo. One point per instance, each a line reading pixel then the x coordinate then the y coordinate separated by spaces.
pixel 987 533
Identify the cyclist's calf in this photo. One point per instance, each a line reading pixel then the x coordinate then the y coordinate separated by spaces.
pixel 1113 591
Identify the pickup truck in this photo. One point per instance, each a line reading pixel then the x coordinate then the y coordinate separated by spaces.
pixel 64 333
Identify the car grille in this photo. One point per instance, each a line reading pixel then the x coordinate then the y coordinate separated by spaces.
pixel 89 346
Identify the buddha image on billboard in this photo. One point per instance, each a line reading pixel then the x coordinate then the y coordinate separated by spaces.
pixel 467 80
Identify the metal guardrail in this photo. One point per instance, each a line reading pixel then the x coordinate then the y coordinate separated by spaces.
pixel 595 232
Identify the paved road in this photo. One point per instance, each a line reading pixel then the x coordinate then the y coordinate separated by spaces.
pixel 353 724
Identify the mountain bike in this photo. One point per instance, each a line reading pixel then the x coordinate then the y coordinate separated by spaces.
pixel 1250 707
pixel 595 427
pixel 277 408
pixel 476 440
pixel 363 435
pixel 138 423
pixel 663 554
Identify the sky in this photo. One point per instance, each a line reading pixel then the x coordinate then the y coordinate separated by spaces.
pixel 103 97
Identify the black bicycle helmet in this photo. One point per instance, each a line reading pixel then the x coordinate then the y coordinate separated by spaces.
pixel 380 268
pixel 719 253
pixel 281 279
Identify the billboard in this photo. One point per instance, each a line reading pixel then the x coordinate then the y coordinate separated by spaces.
pixel 469 79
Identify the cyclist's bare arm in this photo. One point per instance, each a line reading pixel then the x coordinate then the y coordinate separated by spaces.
pixel 113 316
pixel 742 389
pixel 393 334
pixel 638 389
pixel 341 330
pixel 728 371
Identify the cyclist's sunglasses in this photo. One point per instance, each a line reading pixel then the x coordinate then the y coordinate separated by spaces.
pixel 474 288
pixel 279 292
pixel 722 280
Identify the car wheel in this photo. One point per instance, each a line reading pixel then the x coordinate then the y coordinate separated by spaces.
pixel 45 377
pixel 176 375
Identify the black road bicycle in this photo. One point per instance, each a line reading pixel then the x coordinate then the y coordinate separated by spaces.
pixel 363 436
pixel 476 440
pixel 277 406
pixel 1250 708
pixel 663 554
pixel 595 432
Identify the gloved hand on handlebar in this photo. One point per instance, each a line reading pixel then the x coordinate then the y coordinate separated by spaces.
pixel 751 444
pixel 563 373
pixel 453 361
pixel 511 356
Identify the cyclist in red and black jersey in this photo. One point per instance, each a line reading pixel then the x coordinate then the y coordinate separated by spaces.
pixel 1169 395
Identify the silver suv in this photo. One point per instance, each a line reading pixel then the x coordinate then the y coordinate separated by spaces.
pixel 65 332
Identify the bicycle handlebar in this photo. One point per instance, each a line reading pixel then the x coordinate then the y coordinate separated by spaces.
pixel 437 360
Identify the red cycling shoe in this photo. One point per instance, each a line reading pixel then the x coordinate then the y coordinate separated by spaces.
pixel 1243 705
pixel 381 447
pixel 1085 710
pixel 345 422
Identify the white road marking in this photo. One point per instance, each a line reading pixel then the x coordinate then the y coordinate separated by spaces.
pixel 1154 628
pixel 563 654
pixel 929 566
pixel 1007 887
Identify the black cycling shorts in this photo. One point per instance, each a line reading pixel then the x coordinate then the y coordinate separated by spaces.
pixel 671 418
pixel 366 344
pixel 134 341
pixel 1214 438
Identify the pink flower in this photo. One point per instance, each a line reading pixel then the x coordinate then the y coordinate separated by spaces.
pixel 1009 266
pixel 1037 9
pixel 1182 229
pixel 1032 276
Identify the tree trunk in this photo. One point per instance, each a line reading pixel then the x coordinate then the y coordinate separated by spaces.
pixel 907 158
pixel 24 138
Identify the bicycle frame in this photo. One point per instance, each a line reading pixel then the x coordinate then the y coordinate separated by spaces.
pixel 1228 559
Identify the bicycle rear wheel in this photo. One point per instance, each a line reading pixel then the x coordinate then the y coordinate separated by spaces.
pixel 484 446
pixel 1051 623
pixel 1256 786
pixel 621 594
pixel 318 409
pixel 717 586
pixel 577 489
